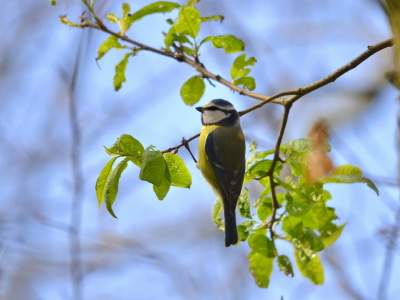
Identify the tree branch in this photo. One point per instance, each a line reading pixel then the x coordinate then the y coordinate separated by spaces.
pixel 182 58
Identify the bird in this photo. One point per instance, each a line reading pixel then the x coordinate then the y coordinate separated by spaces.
pixel 221 158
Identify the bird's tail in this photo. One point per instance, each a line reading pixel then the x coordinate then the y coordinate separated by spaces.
pixel 231 234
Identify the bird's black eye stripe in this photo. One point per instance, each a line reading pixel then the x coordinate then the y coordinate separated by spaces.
pixel 212 108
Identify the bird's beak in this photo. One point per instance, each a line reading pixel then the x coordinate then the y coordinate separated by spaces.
pixel 200 109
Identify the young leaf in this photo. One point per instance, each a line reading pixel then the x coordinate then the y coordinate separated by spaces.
pixel 260 168
pixel 246 82
pixel 331 234
pixel 112 18
pixel 180 175
pixel 322 216
pixel 172 37
pixel 156 7
pixel 261 244
pixel 310 240
pixel 310 267
pixel 284 184
pixel 303 145
pixel 285 265
pixel 297 205
pixel 123 22
pixel 244 204
pixel 120 68
pixel 261 267
pixel 192 90
pixel 189 51
pixel 162 190
pixel 244 229
pixel 264 210
pixel 350 179
pixel 239 69
pixel 228 42
pixel 131 146
pixel 112 185
pixel 107 45
pixel 153 167
pixel 101 182
pixel 298 168
pixel 347 170
pixel 216 210
pixel 188 21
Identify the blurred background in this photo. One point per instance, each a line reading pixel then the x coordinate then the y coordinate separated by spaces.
pixel 58 109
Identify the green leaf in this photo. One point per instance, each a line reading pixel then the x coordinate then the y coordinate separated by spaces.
pixel 261 267
pixel 192 90
pixel 264 210
pixel 188 21
pixel 347 170
pixel 124 22
pixel 156 7
pixel 216 210
pixel 310 267
pixel 213 18
pixel 131 146
pixel 162 190
pixel 246 82
pixel 284 184
pixel 239 66
pixel 172 37
pixel 107 45
pixel 261 244
pixel 53 2
pixel 297 205
pixel 192 2
pixel 112 185
pixel 244 204
pixel 229 43
pixel 303 145
pixel 120 68
pixel 331 234
pixel 153 167
pixel 260 168
pixel 180 175
pixel 189 51
pixel 310 240
pixel 322 215
pixel 350 179
pixel 244 229
pixel 256 156
pixel 112 18
pixel 298 168
pixel 101 182
pixel 127 145
pixel 285 265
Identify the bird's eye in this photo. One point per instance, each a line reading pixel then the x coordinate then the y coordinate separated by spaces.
pixel 213 108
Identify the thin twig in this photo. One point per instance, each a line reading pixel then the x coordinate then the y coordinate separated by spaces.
pixel 181 145
pixel 182 58
pixel 287 102
pixel 270 173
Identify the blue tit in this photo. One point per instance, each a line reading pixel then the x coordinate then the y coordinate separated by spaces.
pixel 222 158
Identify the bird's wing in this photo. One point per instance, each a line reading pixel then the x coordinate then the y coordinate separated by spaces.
pixel 229 175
